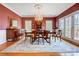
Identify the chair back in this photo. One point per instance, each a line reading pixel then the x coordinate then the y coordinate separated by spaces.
pixel 45 34
pixel 59 32
pixel 33 34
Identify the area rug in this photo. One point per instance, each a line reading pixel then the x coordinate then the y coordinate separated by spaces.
pixel 25 46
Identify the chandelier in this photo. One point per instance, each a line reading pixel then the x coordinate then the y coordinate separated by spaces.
pixel 38 12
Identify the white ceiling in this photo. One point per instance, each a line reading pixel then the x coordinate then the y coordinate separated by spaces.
pixel 48 9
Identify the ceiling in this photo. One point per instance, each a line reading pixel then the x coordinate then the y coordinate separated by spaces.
pixel 48 9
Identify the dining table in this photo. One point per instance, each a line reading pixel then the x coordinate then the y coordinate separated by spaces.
pixel 39 35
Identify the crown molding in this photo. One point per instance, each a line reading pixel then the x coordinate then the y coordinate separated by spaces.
pixel 11 9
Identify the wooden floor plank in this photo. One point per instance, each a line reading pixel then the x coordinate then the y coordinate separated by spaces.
pixel 31 54
pixel 6 44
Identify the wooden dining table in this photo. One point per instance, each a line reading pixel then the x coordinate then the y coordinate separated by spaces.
pixel 39 35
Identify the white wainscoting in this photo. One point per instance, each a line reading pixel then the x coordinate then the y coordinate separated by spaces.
pixel 2 36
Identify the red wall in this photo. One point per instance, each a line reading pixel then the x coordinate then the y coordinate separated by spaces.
pixel 33 21
pixel 27 18
pixel 5 15
pixel 53 20
pixel 68 11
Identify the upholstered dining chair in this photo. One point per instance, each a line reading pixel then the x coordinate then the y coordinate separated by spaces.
pixel 46 37
pixel 28 35
pixel 33 36
pixel 54 36
pixel 59 34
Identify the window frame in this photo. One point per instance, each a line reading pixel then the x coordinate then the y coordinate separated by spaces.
pixel 72 22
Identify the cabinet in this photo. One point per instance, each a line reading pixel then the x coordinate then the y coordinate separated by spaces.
pixel 11 34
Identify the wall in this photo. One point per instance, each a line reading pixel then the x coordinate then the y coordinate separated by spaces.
pixel 5 15
pixel 27 18
pixel 68 11
pixel 33 21
pixel 2 36
pixel 53 20
pixel 72 9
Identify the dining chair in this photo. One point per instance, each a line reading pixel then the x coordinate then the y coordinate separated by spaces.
pixel 34 37
pixel 59 34
pixel 46 37
pixel 28 35
pixel 54 36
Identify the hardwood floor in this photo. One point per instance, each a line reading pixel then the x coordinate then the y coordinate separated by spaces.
pixel 31 54
pixel 7 44
pixel 71 41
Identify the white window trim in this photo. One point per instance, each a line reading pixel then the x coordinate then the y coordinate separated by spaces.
pixel 69 15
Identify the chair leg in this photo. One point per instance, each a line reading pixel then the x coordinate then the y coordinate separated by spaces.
pixel 43 41
pixel 38 41
pixel 49 41
pixel 55 38
pixel 60 38
pixel 32 41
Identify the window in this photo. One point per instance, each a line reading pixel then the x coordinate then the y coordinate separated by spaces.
pixel 49 25
pixel 14 23
pixel 68 27
pixel 76 26
pixel 28 25
pixel 61 25
pixel 65 26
